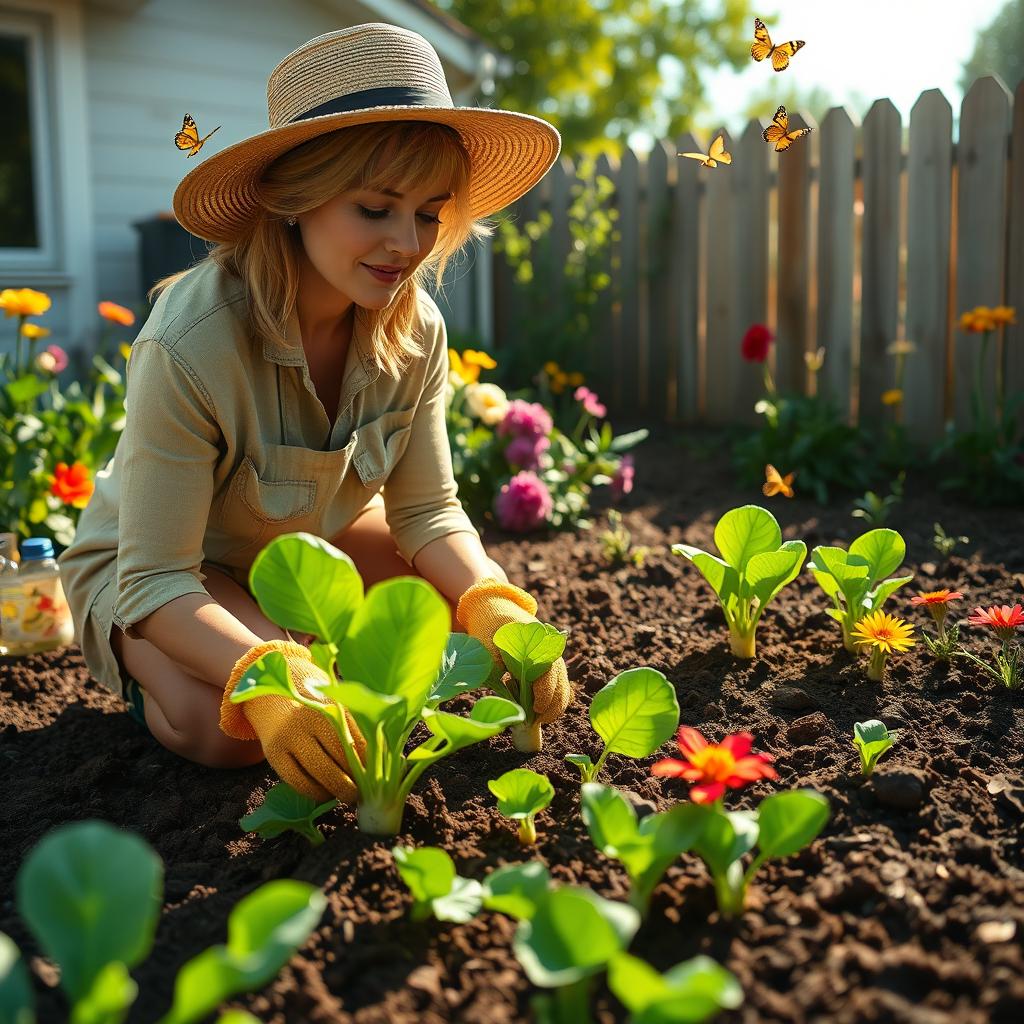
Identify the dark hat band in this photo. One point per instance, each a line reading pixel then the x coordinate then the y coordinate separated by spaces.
pixel 389 97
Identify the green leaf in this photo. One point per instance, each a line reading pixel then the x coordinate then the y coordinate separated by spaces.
pixel 90 894
pixel 744 532
pixel 267 676
pixel 768 572
pixel 725 837
pixel 883 550
pixel 626 441
pixel 265 929
pixel 397 638
pixel 583 762
pixel 17 1001
pixel 522 792
pixel 112 993
pixel 488 717
pixel 284 808
pixel 436 888
pixel 724 579
pixel 691 992
pixel 872 740
pixel 370 708
pixel 465 665
pixel 877 597
pixel 636 712
pixel 529 648
pixel 609 817
pixel 572 935
pixel 516 889
pixel 789 821
pixel 307 585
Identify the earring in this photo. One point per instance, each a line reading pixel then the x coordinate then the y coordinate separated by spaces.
pixel 291 222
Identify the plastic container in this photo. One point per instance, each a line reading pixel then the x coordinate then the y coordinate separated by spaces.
pixel 34 614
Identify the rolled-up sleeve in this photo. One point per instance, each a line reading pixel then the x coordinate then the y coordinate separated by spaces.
pixel 168 451
pixel 420 494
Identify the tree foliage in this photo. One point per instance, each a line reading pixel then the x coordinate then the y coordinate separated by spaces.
pixel 999 48
pixel 600 69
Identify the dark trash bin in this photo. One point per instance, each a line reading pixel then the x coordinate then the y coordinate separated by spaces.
pixel 165 247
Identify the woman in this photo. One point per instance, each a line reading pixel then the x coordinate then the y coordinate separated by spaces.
pixel 294 381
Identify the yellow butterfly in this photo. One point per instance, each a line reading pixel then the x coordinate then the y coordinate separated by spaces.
pixel 763 47
pixel 716 154
pixel 188 137
pixel 775 483
pixel 778 131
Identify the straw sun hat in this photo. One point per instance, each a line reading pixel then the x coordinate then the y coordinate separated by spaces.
pixel 361 75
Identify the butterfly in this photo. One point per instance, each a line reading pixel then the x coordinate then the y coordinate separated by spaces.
pixel 188 137
pixel 763 47
pixel 716 154
pixel 775 483
pixel 778 131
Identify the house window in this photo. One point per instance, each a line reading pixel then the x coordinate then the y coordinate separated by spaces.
pixel 18 222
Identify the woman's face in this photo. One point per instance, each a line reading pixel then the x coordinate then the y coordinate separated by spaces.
pixel 365 243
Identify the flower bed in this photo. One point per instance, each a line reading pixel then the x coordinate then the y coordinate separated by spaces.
pixel 908 907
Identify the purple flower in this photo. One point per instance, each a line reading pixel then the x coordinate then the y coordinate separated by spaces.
pixel 525 451
pixel 590 401
pixel 523 503
pixel 525 419
pixel 622 478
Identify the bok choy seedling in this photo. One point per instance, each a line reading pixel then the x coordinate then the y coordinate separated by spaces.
pixel 437 889
pixel 754 566
pixel 387 646
pixel 522 794
pixel 285 809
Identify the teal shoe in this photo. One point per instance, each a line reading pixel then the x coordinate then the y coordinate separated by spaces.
pixel 136 707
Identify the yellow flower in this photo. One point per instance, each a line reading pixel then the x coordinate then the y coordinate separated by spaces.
pixel 558 382
pixel 885 632
pixel 1004 315
pixel 34 331
pixel 551 368
pixel 575 380
pixel 901 347
pixel 467 366
pixel 815 360
pixel 125 349
pixel 892 397
pixel 23 302
pixel 487 402
pixel 481 359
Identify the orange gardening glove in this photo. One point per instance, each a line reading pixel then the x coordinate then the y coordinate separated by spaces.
pixel 300 743
pixel 483 609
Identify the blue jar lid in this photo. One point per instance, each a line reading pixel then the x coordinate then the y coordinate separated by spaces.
pixel 36 547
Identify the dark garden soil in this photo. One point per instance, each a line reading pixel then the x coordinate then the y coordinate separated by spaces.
pixel 909 907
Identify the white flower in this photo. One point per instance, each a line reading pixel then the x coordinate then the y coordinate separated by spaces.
pixel 487 402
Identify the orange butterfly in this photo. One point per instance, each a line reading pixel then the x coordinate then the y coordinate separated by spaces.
pixel 716 154
pixel 188 137
pixel 775 483
pixel 778 132
pixel 763 47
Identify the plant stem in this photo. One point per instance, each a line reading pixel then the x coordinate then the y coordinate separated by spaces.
pixel 378 817
pixel 526 737
pixel 743 645
pixel 527 831
pixel 876 666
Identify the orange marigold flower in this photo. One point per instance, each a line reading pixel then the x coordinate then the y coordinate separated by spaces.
pixel 936 597
pixel 977 320
pixel 892 397
pixel 116 314
pixel 72 485
pixel 715 767
pixel 24 302
pixel 1004 315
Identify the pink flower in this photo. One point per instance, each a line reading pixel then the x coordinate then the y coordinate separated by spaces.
pixel 525 419
pixel 525 451
pixel 53 359
pixel 523 503
pixel 622 478
pixel 590 402
pixel 756 343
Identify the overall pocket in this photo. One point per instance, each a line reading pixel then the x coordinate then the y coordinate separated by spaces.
pixel 381 443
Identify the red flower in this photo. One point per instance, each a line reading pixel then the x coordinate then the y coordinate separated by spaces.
pixel 756 343
pixel 1004 620
pixel 72 485
pixel 715 766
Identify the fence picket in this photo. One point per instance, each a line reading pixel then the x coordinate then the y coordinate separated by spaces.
pixel 981 230
pixel 608 305
pixel 880 256
pixel 836 254
pixel 685 279
pixel 1014 336
pixel 626 362
pixel 929 195
pixel 659 312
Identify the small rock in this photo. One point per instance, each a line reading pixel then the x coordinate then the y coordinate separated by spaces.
pixel 996 931
pixel 641 804
pixel 792 698
pixel 807 729
pixel 538 565
pixel 900 789
pixel 643 635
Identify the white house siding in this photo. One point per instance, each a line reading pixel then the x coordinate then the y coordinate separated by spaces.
pixel 146 65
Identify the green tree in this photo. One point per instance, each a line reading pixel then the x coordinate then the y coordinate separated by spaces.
pixel 600 69
pixel 999 48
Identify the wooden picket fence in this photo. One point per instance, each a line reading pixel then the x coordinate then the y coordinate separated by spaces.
pixel 849 240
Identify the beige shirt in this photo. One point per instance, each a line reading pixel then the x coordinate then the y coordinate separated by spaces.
pixel 226 445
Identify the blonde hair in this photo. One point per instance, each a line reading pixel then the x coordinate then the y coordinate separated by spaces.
pixel 397 155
